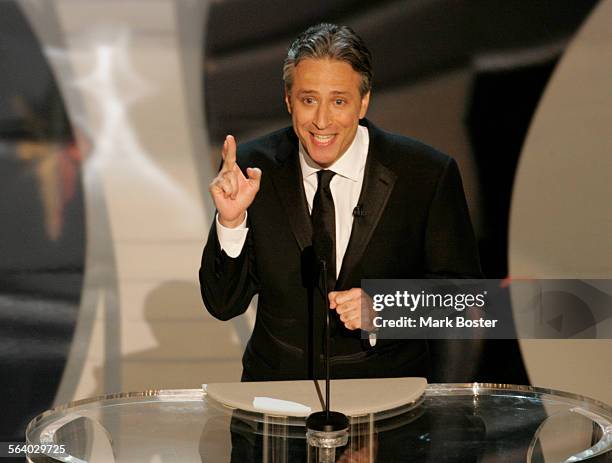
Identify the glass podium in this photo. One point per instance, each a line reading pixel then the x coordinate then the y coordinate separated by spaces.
pixel 449 423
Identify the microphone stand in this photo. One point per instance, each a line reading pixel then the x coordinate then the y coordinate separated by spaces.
pixel 326 430
pixel 327 336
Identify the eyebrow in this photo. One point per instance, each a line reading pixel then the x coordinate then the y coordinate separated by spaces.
pixel 314 92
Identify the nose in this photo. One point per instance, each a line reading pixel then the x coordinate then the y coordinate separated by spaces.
pixel 322 117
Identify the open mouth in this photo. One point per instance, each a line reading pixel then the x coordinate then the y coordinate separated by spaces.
pixel 322 140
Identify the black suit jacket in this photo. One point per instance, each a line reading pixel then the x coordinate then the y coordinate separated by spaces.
pixel 416 225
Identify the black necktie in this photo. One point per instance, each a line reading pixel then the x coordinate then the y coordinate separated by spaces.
pixel 324 226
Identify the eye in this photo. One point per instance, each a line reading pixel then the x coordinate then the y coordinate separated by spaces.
pixel 339 102
pixel 308 100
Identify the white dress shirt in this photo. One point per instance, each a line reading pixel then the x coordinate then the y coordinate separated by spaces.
pixel 345 187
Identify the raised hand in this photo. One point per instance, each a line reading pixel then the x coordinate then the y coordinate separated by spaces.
pixel 231 191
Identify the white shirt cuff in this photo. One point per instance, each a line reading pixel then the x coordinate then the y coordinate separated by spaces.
pixel 232 239
pixel 372 339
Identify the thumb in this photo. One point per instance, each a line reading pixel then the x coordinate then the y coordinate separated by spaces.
pixel 254 175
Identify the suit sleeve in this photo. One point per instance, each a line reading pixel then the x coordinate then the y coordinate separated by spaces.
pixel 227 284
pixel 450 245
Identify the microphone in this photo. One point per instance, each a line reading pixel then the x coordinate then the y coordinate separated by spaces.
pixel 359 211
pixel 322 246
pixel 327 429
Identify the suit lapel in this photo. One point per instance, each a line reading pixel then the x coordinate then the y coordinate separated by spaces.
pixel 287 180
pixel 378 182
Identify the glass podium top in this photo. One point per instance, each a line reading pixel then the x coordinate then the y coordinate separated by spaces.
pixel 450 423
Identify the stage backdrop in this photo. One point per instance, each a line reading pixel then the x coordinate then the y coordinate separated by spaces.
pixel 111 117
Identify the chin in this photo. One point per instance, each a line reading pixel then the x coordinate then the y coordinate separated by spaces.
pixel 324 156
pixel 324 160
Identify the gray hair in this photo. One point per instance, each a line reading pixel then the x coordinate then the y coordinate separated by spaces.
pixel 330 41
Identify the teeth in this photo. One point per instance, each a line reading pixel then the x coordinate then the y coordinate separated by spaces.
pixel 323 137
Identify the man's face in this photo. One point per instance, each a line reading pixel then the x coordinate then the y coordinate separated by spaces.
pixel 325 107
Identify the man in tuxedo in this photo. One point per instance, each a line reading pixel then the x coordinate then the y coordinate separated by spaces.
pixel 332 188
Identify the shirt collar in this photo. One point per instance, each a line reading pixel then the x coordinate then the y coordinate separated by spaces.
pixel 350 164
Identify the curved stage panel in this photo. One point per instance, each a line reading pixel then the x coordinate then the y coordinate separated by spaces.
pixel 561 216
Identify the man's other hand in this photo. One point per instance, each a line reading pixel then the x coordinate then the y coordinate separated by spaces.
pixel 231 191
pixel 348 304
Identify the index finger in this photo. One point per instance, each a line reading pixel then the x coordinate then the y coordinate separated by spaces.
pixel 229 153
pixel 349 294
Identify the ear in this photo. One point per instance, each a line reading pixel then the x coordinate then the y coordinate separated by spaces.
pixel 365 101
pixel 288 100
